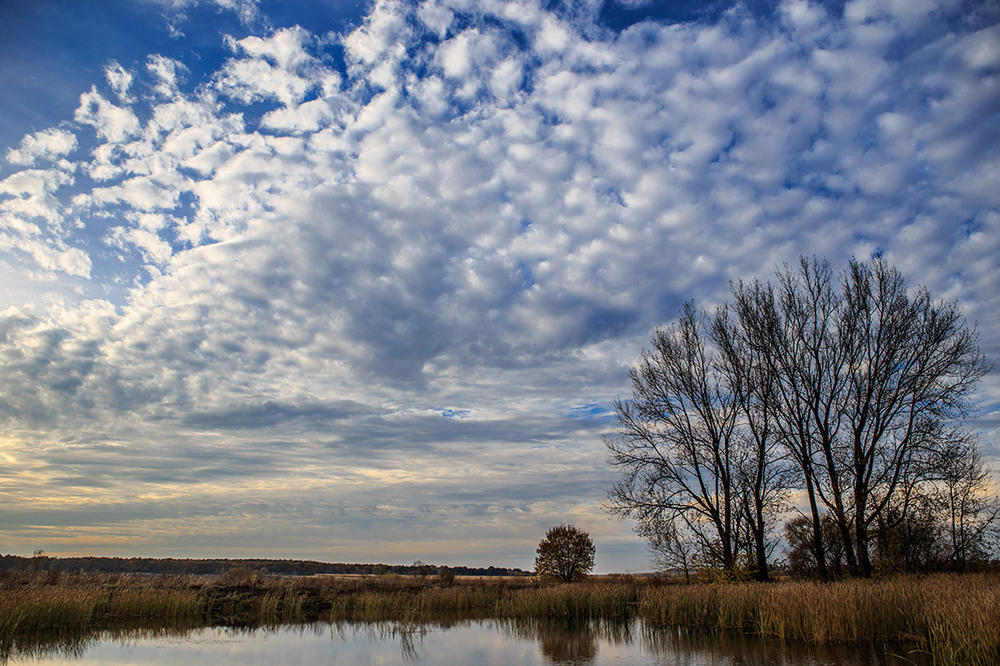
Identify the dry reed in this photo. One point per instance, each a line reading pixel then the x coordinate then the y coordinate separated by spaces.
pixel 955 618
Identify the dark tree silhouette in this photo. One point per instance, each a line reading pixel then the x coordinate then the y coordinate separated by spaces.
pixel 872 379
pixel 696 447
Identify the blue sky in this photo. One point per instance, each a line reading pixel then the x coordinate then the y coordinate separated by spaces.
pixel 361 281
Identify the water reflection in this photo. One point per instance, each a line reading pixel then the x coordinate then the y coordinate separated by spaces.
pixel 72 642
pixel 409 635
pixel 565 643
pixel 570 642
pixel 463 641
pixel 562 643
pixel 679 647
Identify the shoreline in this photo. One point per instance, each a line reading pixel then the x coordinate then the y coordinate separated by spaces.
pixel 955 617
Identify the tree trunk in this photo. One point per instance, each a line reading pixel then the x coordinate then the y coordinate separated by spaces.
pixel 819 548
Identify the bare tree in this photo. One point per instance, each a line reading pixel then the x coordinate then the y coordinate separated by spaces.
pixel 675 442
pixel 968 509
pixel 867 378
pixel 696 448
pixel 673 545
pixel 763 474
pixel 913 363
pixel 795 332
pixel 799 536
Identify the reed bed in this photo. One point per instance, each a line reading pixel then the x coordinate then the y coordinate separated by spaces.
pixel 31 601
pixel 488 599
pixel 29 607
pixel 955 618
pixel 575 601
pixel 418 603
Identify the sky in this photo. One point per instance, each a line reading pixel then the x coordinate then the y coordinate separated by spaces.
pixel 361 281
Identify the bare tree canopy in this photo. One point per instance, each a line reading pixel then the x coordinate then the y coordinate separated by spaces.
pixel 695 451
pixel 856 384
pixel 566 553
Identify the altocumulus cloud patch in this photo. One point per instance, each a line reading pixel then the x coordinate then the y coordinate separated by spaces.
pixel 298 255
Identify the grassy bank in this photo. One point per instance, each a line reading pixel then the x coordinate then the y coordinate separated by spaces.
pixel 499 599
pixel 956 618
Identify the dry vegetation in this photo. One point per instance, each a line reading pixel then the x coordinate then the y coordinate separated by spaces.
pixel 955 618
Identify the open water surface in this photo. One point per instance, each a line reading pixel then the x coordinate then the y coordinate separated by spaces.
pixel 473 643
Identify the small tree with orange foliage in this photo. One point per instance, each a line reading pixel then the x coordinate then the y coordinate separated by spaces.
pixel 566 553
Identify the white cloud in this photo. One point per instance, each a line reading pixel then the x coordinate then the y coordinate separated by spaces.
pixel 307 117
pixel 279 67
pixel 47 144
pixel 166 71
pixel 145 238
pixel 981 49
pixel 286 48
pixel 175 11
pixel 248 11
pixel 31 195
pixel 250 81
pixel 112 123
pixel 120 80
pixel 552 36
pixel 141 194
pixel 34 182
pixel 47 255
pixel 436 17
pixel 384 32
pixel 456 55
pixel 506 79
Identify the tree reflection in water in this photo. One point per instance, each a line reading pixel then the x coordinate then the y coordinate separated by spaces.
pixel 690 648
pixel 570 642
pixel 563 645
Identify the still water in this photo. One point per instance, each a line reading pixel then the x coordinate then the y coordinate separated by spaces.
pixel 482 642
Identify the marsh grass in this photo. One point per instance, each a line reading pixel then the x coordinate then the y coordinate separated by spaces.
pixel 954 618
pixel 573 601
pixel 78 601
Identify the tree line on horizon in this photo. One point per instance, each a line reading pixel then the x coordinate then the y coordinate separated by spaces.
pixel 822 411
pixel 207 567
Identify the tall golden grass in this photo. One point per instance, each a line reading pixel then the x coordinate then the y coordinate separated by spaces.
pixel 955 618
pixel 79 601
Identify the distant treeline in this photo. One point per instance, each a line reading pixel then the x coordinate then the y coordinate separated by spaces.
pixel 149 565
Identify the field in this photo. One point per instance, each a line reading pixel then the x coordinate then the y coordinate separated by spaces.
pixel 954 618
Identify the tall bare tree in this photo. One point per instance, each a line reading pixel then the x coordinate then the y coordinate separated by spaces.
pixel 867 377
pixel 797 330
pixel 675 442
pixel 763 473
pixel 913 367
pixel 673 546
pixel 695 449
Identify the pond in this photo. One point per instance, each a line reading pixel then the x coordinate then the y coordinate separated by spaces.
pixel 485 642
